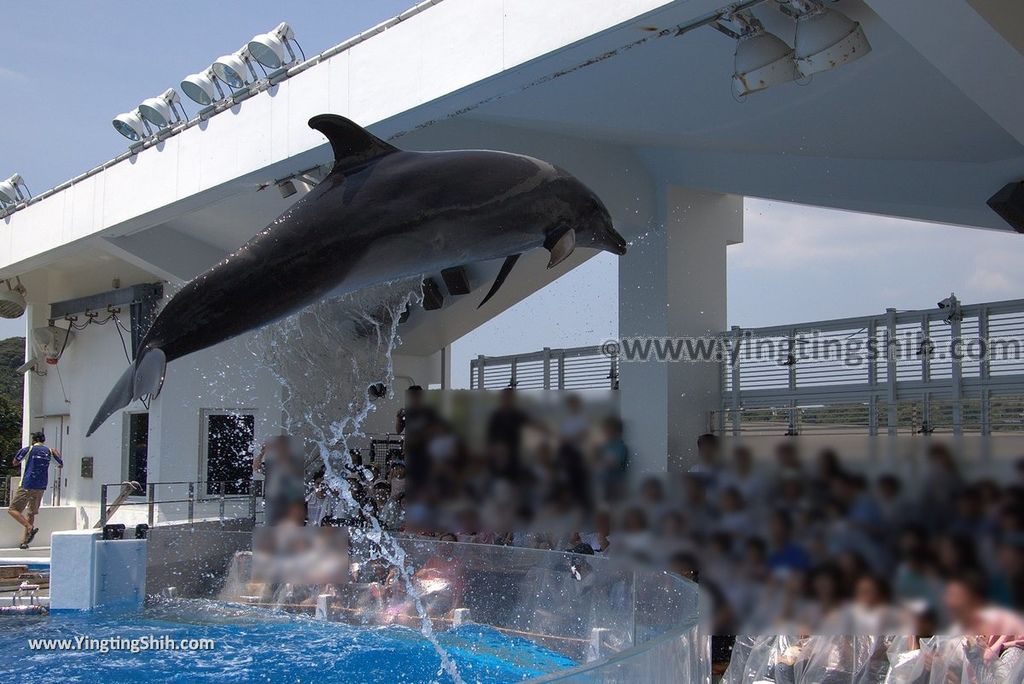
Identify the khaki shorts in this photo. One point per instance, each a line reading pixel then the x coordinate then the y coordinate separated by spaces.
pixel 30 498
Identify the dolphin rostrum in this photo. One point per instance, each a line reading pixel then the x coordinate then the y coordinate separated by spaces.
pixel 381 214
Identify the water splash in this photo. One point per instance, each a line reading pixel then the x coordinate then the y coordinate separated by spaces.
pixel 326 358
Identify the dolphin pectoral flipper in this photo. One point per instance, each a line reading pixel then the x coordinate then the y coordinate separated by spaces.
pixel 506 268
pixel 352 144
pixel 561 244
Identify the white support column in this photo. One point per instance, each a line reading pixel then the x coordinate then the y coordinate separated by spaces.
pixel 32 392
pixel 672 283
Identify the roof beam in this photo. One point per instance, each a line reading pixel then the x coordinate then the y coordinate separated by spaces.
pixel 164 252
pixel 973 54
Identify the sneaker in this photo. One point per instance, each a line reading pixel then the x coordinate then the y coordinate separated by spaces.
pixel 31 536
pixel 23 545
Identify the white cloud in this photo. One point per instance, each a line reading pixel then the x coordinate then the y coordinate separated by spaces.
pixel 802 263
pixel 11 75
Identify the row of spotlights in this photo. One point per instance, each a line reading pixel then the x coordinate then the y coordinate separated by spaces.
pixel 155 112
pixel 271 50
pixel 13 190
pixel 824 39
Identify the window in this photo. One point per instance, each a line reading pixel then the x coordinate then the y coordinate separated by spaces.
pixel 137 448
pixel 228 443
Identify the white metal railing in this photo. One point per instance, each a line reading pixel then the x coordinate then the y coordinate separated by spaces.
pixel 900 372
pixel 896 372
pixel 577 368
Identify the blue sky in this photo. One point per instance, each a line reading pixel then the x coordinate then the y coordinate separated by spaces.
pixel 796 264
pixel 68 67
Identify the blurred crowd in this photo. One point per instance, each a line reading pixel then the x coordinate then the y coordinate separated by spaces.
pixel 783 543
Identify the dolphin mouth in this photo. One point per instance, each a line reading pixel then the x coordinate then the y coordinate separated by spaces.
pixel 615 243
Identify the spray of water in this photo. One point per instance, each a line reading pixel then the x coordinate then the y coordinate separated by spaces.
pixel 326 358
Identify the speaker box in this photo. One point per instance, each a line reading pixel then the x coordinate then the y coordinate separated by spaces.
pixel 1009 204
pixel 456 280
pixel 113 532
pixel 432 297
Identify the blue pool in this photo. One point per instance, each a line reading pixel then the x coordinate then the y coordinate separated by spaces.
pixel 254 645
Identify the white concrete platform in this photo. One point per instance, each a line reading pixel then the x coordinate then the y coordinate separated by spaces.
pixel 49 520
pixel 88 572
pixel 33 554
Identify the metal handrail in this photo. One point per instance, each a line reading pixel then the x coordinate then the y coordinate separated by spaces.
pixel 898 390
pixel 548 369
pixel 913 388
pixel 151 500
pixel 58 482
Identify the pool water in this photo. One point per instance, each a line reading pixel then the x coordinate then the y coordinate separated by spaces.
pixel 255 645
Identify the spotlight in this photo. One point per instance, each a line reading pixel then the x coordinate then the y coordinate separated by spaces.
pixel 825 38
pixel 202 88
pixel 160 111
pixel 951 305
pixel 235 69
pixel 762 59
pixel 131 125
pixel 273 50
pixel 287 188
pixel 12 301
pixel 11 190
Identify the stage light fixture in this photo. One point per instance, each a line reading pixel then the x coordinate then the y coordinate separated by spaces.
pixel 287 188
pixel 235 69
pixel 273 49
pixel 131 125
pixel 762 59
pixel 160 111
pixel 11 190
pixel 825 38
pixel 202 88
pixel 12 300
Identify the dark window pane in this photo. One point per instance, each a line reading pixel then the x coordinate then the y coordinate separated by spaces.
pixel 138 447
pixel 229 453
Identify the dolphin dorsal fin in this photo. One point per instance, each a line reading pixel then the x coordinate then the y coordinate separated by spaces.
pixel 352 144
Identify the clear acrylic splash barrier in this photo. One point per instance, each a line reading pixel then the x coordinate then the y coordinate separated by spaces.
pixel 621 623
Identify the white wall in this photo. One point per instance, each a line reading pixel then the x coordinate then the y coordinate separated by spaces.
pixel 417 61
pixel 223 377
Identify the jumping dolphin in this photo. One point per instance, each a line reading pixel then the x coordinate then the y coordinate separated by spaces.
pixel 381 214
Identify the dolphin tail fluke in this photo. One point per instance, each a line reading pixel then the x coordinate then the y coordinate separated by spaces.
pixel 145 377
pixel 506 268
pixel 149 374
pixel 118 398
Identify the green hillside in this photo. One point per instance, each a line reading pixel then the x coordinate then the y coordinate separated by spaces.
pixel 12 355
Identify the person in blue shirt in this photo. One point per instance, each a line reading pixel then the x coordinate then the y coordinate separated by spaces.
pixel 33 484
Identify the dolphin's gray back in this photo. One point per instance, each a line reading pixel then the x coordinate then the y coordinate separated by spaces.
pixel 381 214
pixel 402 215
